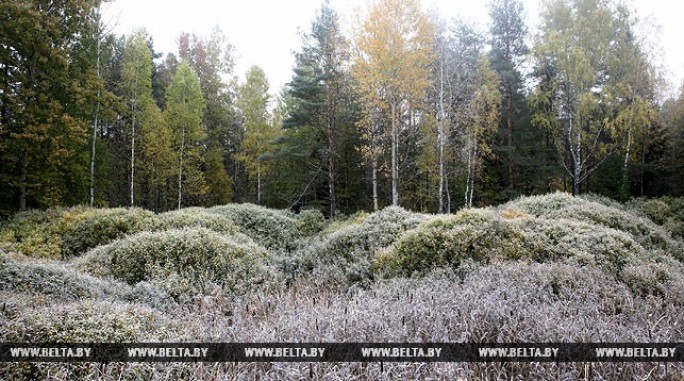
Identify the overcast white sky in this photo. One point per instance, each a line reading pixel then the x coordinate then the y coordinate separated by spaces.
pixel 265 32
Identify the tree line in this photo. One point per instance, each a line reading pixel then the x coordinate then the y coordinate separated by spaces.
pixel 409 109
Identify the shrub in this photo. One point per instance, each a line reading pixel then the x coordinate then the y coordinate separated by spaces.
pixel 347 255
pixel 40 233
pixel 542 205
pixel 91 321
pixel 104 226
pixel 563 206
pixel 310 222
pixel 61 282
pixel 482 235
pixel 193 218
pixel 471 234
pixel 666 211
pixel 183 262
pixel 272 228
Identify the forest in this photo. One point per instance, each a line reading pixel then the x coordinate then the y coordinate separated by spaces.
pixel 418 180
pixel 409 109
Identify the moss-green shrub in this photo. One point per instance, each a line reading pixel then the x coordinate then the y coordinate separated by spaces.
pixel 193 218
pixel 483 235
pixel 310 222
pixel 471 234
pixel 104 226
pixel 39 233
pixel 666 211
pixel 661 277
pixel 343 221
pixel 542 205
pixel 61 282
pixel 183 262
pixel 274 229
pixel 348 254
pixel 589 210
pixel 91 321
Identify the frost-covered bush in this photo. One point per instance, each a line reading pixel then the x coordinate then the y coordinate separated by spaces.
pixel 271 228
pixel 310 222
pixel 193 218
pixel 52 279
pixel 563 206
pixel 61 282
pixel 104 226
pixel 39 233
pixel 542 205
pixel 666 211
pixel 182 262
pixel 470 235
pixel 91 322
pixel 348 254
pixel 484 235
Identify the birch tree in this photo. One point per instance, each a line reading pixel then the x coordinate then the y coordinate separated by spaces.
pixel 480 121
pixel 258 132
pixel 184 108
pixel 392 68
pixel 136 83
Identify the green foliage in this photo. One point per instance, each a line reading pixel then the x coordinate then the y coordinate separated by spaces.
pixel 60 282
pixel 219 184
pixel 310 222
pixel 184 110
pixel 259 134
pixel 193 218
pixel 42 234
pixel 665 211
pixel 348 254
pixel 47 88
pixel 543 228
pixel 183 263
pixel 272 228
pixel 90 322
pixel 104 226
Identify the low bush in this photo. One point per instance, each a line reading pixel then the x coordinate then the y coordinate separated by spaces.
pixel 104 226
pixel 485 235
pixel 347 255
pixel 666 211
pixel 91 321
pixel 310 222
pixel 39 233
pixel 61 282
pixel 193 218
pixel 184 263
pixel 273 229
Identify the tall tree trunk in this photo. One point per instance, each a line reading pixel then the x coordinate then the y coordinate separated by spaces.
pixel 395 165
pixel 22 179
pixel 97 112
pixel 133 157
pixel 469 169
pixel 331 154
pixel 625 166
pixel 93 150
pixel 180 169
pixel 374 165
pixel 258 182
pixel 509 127
pixel 577 170
pixel 440 135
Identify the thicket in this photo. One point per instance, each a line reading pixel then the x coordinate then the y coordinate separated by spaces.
pixel 183 262
pixel 543 268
